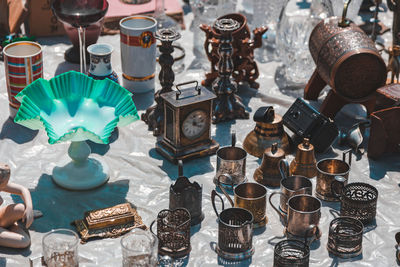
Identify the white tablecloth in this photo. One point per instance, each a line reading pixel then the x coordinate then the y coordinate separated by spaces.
pixel 141 176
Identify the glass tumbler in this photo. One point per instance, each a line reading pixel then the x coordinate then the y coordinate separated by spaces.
pixel 60 248
pixel 139 249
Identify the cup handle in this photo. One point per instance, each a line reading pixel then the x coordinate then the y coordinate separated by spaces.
pixel 349 154
pixel 314 229
pixel 233 138
pixel 339 184
pixel 213 195
pixel 223 189
pixel 280 213
pixel 284 168
pixel 151 227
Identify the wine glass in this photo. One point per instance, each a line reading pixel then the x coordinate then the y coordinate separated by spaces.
pixel 80 14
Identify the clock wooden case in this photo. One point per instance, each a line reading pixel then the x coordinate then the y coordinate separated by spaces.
pixel 187 127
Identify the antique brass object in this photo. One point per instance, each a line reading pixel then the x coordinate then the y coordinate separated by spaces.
pixel 173 232
pixel 245 67
pixel 268 130
pixel 291 252
pixel 249 196
pixel 348 61
pixel 345 237
pixel 358 200
pixel 108 222
pixel 187 127
pixel 235 231
pixel 304 163
pixel 304 213
pixel 268 173
pixel 290 186
pixel 184 194
pixel 327 170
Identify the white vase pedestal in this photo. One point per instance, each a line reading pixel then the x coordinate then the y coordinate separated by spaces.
pixel 82 173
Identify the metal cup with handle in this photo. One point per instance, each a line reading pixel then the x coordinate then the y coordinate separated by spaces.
pixel 290 186
pixel 235 231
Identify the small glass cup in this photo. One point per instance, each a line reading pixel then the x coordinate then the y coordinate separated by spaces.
pixel 60 248
pixel 139 249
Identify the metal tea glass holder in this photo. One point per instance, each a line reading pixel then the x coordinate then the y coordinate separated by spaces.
pixel 184 194
pixel 173 232
pixel 235 232
pixel 358 200
pixel 291 252
pixel 231 165
pixel 345 237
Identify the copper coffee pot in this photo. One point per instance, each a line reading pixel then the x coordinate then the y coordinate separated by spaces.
pixel 268 130
pixel 304 163
pixel 268 173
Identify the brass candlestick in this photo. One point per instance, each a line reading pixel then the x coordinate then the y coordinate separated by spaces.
pixel 227 106
pixel 154 116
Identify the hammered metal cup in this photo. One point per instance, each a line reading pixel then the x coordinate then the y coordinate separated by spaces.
pixel 304 211
pixel 173 232
pixel 231 160
pixel 291 252
pixel 252 197
pixel 358 200
pixel 235 232
pixel 345 237
pixel 327 170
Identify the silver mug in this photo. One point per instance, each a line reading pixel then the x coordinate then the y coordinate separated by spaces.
pixel 231 160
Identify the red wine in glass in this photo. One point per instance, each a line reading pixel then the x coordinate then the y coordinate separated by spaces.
pixel 80 14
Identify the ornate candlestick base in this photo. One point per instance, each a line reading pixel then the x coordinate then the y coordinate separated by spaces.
pixel 154 116
pixel 227 106
pixel 82 173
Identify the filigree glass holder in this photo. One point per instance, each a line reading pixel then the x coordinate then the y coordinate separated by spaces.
pixel 74 107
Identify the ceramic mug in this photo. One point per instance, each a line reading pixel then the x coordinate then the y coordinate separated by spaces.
pixel 138 53
pixel 23 63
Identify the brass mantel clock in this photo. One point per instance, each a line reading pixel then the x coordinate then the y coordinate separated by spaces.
pixel 187 127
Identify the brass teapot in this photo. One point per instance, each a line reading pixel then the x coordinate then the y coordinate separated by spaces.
pixel 268 130
pixel 268 173
pixel 304 163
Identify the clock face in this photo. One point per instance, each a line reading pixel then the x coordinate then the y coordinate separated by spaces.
pixel 194 124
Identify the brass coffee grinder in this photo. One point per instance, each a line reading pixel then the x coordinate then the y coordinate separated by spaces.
pixel 304 163
pixel 268 173
pixel 268 130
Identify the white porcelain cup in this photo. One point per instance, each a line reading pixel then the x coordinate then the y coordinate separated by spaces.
pixel 138 53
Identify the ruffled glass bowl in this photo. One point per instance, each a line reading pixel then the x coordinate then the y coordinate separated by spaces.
pixel 74 107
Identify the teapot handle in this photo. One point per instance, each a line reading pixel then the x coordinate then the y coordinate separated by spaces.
pixel 213 195
pixel 284 168
pixel 227 176
pixel 280 213
pixel 338 183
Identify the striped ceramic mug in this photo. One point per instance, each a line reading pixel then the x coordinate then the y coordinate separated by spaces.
pixel 138 53
pixel 23 64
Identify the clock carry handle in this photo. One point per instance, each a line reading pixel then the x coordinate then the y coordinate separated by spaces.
pixel 197 88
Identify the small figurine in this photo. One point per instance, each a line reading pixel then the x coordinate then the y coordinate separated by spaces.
pixel 12 234
pixel 394 63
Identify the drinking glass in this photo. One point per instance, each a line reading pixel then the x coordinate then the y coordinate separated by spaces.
pixel 293 33
pixel 139 249
pixel 60 248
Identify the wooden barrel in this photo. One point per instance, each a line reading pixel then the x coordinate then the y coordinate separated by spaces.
pixel 347 59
